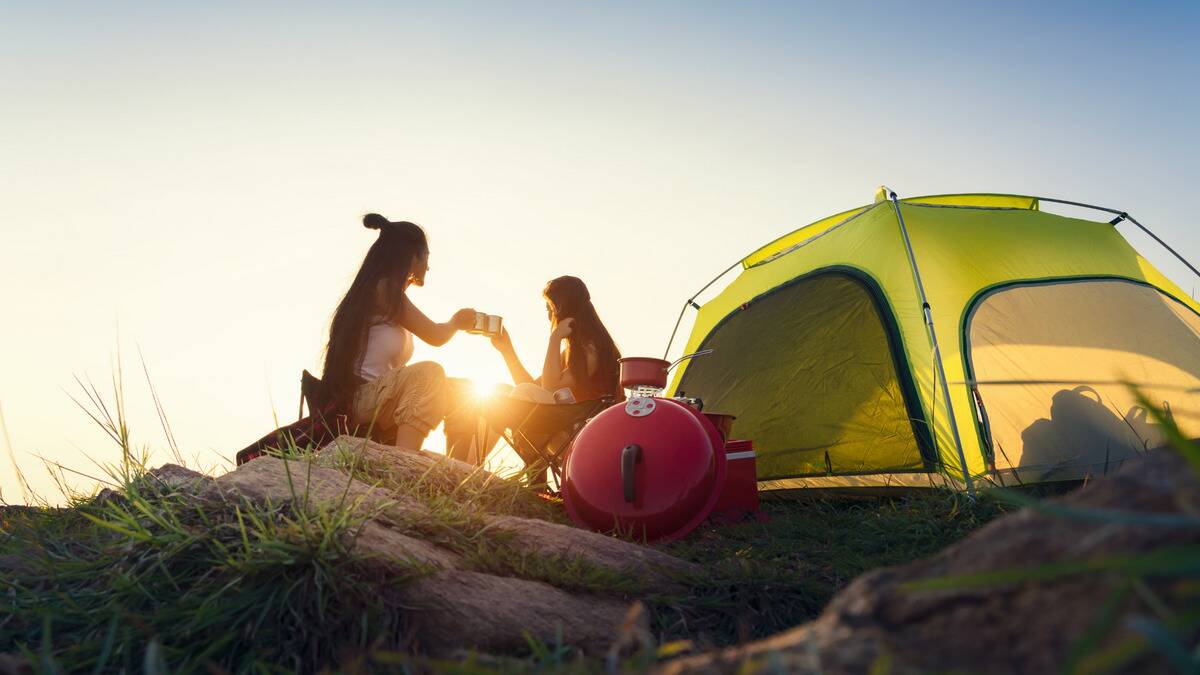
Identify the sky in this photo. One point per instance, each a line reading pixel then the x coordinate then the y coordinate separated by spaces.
pixel 182 183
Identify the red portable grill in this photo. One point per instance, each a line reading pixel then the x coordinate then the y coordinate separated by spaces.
pixel 656 467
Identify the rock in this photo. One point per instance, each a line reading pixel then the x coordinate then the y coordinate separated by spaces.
pixel 429 474
pixel 107 495
pixel 375 541
pixel 395 467
pixel 293 482
pixel 166 478
pixel 176 477
pixel 545 538
pixel 296 482
pixel 459 609
pixel 453 608
pixel 1024 626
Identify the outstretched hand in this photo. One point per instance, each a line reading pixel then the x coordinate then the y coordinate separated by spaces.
pixel 463 319
pixel 502 341
pixel 562 330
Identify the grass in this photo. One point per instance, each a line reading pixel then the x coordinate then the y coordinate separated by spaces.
pixel 761 578
pixel 157 580
pixel 154 580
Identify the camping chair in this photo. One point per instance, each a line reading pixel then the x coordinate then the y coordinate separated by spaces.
pixel 322 424
pixel 540 433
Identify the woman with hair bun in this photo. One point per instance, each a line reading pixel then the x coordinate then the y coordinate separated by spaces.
pixel 366 371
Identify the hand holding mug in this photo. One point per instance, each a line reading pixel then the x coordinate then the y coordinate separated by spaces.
pixel 463 319
pixel 502 341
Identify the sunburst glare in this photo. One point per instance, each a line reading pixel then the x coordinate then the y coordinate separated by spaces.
pixel 481 390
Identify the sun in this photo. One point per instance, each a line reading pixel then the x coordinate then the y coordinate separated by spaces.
pixel 481 390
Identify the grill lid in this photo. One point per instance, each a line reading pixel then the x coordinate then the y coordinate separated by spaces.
pixel 653 468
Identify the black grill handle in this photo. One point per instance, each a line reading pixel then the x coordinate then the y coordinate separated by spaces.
pixel 631 455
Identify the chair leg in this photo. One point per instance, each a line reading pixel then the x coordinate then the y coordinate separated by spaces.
pixel 557 454
pixel 536 479
pixel 548 455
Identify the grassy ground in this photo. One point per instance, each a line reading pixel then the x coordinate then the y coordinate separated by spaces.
pixel 764 577
pixel 151 582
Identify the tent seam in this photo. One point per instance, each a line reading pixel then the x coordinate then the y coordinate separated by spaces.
pixel 801 244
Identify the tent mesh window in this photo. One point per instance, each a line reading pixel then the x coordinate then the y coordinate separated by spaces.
pixel 809 372
pixel 1051 360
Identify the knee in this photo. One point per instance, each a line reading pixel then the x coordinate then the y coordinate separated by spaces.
pixel 428 382
pixel 428 371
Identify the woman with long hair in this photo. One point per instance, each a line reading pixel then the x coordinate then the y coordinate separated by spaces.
pixel 367 372
pixel 580 354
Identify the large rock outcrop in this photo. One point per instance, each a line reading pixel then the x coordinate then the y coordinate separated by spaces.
pixel 453 605
pixel 1003 626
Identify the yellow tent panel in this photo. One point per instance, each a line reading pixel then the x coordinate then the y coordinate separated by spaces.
pixel 824 353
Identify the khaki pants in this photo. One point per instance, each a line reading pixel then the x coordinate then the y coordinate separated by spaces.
pixel 416 395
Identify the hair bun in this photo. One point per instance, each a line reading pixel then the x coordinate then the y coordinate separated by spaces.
pixel 374 221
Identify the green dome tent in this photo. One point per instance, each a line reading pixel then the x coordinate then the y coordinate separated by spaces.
pixel 946 340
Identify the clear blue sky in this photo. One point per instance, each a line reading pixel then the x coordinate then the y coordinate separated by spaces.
pixel 188 180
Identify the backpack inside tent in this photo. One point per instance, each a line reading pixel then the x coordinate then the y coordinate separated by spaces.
pixel 946 340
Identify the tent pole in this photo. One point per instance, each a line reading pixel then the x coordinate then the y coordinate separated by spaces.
pixel 1079 204
pixel 676 328
pixel 691 302
pixel 1123 215
pixel 932 334
pixel 1162 243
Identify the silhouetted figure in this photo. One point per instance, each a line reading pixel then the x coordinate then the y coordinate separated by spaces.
pixel 1083 436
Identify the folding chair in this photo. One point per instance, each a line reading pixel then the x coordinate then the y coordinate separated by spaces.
pixel 541 433
pixel 322 425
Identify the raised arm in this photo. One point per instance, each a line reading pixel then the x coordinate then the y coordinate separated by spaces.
pixel 436 334
pixel 503 344
pixel 553 376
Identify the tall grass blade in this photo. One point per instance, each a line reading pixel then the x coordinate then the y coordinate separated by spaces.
pixel 1105 619
pixel 26 491
pixel 110 639
pixel 1111 516
pixel 162 413
pixel 1168 560
pixel 1166 643
pixel 1175 436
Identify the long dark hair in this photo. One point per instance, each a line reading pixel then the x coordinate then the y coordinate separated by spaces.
pixel 570 299
pixel 389 260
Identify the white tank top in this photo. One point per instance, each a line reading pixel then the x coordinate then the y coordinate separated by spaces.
pixel 388 347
